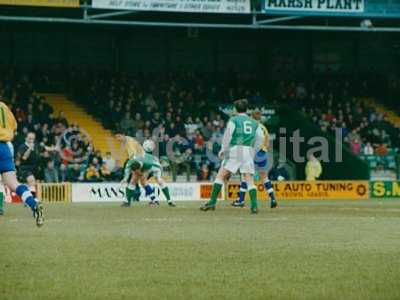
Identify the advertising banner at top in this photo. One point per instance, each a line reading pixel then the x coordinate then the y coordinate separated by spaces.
pixel 49 3
pixel 193 6
pixel 316 6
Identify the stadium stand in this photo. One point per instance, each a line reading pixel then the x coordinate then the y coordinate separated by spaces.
pixel 370 130
pixel 159 110
pixel 62 152
pixel 144 110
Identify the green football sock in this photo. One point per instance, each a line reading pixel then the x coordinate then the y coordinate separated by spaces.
pixel 253 198
pixel 130 194
pixel 214 194
pixel 166 193
pixel 136 193
pixel 1 201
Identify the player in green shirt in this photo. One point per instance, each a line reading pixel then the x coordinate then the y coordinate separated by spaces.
pixel 242 139
pixel 142 168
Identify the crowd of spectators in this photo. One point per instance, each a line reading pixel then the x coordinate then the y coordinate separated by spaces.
pixel 46 147
pixel 341 105
pixel 183 107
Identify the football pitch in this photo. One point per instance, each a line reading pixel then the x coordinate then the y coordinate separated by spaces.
pixel 301 250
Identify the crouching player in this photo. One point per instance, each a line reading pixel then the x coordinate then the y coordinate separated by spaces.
pixel 132 148
pixel 261 163
pixel 243 138
pixel 143 168
pixel 8 126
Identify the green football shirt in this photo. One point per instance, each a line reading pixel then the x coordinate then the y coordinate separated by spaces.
pixel 245 130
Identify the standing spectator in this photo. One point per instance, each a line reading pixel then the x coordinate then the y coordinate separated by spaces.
pixel 313 168
pixel 28 154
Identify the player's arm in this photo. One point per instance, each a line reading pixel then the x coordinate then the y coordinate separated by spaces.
pixel 8 124
pixel 226 140
pixel 266 138
pixel 127 170
pixel 319 169
pixel 132 164
pixel 259 139
pixel 24 153
pixel 11 122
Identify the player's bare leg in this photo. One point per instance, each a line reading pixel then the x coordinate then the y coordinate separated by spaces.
pixel 149 190
pixel 165 191
pixel 242 193
pixel 1 204
pixel 216 189
pixel 31 182
pixel 249 179
pixel 10 180
pixel 132 191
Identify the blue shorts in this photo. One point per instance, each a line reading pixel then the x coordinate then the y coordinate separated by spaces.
pixel 6 158
pixel 261 160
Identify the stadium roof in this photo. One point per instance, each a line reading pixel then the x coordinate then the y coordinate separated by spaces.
pixel 257 20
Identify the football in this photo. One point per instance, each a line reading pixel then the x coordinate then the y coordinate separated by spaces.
pixel 148 145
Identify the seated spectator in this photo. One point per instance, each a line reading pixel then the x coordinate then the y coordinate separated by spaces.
pixel 50 173
pixel 381 150
pixel 92 173
pixel 105 172
pixel 62 173
pixel 61 119
pixel 368 149
pixel 74 173
pixel 182 159
pixel 127 124
pixel 279 172
pixel 110 162
pixel 355 146
pixel 204 173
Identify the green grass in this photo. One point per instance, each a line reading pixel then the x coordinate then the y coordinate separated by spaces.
pixel 302 250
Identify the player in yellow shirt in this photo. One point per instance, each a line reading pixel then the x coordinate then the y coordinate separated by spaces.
pixel 132 148
pixel 261 162
pixel 131 145
pixel 8 126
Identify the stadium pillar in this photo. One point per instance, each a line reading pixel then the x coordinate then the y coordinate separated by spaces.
pixel 215 58
pixel 115 48
pixel 310 57
pixel 167 42
pixel 356 57
pixel 12 47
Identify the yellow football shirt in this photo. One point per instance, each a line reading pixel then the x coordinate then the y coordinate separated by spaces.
pixel 8 124
pixel 133 147
pixel 265 144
